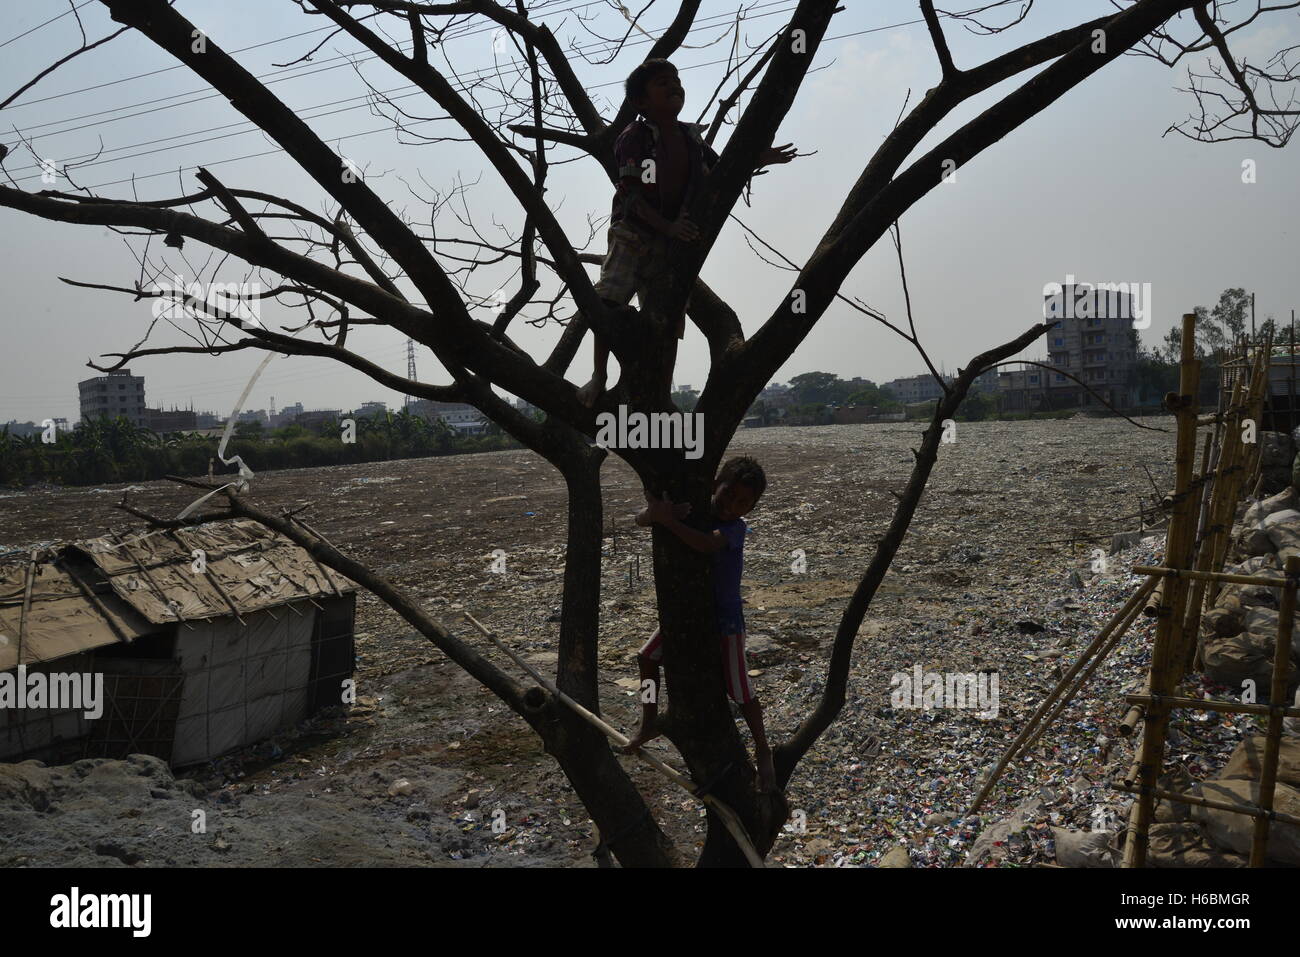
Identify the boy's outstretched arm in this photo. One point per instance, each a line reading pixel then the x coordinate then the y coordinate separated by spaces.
pixel 775 155
pixel 669 515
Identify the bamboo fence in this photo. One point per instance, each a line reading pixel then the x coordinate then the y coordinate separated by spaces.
pixel 1201 507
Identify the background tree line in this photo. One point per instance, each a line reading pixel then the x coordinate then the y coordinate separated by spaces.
pixel 115 450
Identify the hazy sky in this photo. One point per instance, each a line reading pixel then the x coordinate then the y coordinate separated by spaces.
pixel 1091 188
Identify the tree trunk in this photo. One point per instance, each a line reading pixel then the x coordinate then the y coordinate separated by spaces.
pixel 698 718
pixel 626 825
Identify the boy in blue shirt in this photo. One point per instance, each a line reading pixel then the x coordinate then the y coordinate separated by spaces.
pixel 736 490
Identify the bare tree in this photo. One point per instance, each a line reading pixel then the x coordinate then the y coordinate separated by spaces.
pixel 365 264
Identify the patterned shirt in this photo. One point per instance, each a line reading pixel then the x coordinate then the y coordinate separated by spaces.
pixel 638 143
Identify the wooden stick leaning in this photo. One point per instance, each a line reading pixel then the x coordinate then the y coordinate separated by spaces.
pixel 1214 704
pixel 1225 480
pixel 726 814
pixel 1202 554
pixel 1082 679
pixel 1128 611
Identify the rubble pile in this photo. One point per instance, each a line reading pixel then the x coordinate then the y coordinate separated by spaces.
pixel 1239 633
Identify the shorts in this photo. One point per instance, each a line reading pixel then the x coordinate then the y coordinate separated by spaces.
pixel 734 668
pixel 633 259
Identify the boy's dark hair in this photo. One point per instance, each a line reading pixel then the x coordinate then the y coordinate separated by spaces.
pixel 638 81
pixel 745 471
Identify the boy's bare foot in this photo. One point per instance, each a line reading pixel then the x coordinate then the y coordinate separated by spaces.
pixel 590 392
pixel 766 773
pixel 643 736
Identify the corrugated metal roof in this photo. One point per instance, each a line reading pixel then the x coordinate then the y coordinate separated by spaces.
pixel 96 592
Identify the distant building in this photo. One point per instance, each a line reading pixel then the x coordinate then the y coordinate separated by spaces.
pixel 469 428
pixel 367 409
pixel 1022 390
pixel 19 429
pixel 1091 338
pixel 207 420
pixel 852 414
pixel 318 417
pixel 173 420
pixel 460 415
pixel 777 396
pixel 115 394
pixel 1091 342
pixel 259 416
pixel 915 388
pixel 287 415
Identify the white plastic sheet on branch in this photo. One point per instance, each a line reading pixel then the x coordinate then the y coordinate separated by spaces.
pixel 245 473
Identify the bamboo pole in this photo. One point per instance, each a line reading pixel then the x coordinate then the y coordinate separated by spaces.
pixel 1210 531
pixel 212 580
pixel 1290 378
pixel 144 573
pixel 1196 557
pixel 1277 692
pixel 1185 798
pixel 1260 394
pixel 726 814
pixel 1231 475
pixel 1218 526
pixel 1191 573
pixel 94 601
pixel 1214 704
pixel 1133 715
pixel 1128 611
pixel 1170 621
pixel 29 579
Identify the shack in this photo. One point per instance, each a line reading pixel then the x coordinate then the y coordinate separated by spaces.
pixel 203 640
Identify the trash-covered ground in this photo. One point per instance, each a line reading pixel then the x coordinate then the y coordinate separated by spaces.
pixel 987 579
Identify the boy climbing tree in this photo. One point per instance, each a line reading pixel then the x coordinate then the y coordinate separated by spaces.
pixel 736 490
pixel 660 164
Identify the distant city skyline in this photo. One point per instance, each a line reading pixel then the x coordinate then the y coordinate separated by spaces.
pixel 1051 200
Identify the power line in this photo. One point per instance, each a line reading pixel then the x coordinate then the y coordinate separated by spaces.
pixel 46 23
pixel 468 30
pixel 217 133
pixel 414 91
pixel 302 71
pixel 254 46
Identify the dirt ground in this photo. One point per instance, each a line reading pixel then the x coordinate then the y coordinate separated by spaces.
pixel 415 774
